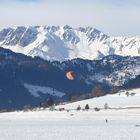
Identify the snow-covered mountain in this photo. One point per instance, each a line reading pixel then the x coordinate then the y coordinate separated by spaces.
pixel 63 43
pixel 113 70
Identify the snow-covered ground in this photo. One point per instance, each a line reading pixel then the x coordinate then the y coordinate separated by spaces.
pixel 123 124
pixel 119 100
pixel 87 125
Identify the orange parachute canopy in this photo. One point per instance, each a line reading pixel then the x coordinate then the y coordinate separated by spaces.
pixel 70 75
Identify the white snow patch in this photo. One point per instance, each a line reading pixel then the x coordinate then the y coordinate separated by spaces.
pixel 35 90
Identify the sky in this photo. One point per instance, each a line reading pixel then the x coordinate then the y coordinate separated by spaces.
pixel 113 17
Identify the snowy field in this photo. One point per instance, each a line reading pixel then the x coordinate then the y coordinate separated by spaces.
pixel 91 125
pixel 123 124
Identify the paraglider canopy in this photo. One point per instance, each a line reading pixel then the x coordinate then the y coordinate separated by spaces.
pixel 70 75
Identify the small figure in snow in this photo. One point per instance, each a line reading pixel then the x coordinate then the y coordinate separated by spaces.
pixel 106 121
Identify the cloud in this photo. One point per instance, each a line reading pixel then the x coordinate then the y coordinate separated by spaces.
pixel 102 2
pixel 119 3
pixel 13 2
pixel 20 0
pixel 114 17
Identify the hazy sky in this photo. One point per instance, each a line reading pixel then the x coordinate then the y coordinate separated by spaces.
pixel 113 17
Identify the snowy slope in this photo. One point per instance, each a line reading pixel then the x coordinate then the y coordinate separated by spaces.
pixel 119 100
pixel 62 43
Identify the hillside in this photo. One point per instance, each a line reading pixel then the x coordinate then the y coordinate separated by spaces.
pixel 119 100
pixel 26 80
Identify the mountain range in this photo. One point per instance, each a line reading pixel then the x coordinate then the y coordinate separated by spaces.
pixel 26 80
pixel 65 43
pixel 35 60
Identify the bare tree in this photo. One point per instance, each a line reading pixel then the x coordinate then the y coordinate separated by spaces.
pixel 106 106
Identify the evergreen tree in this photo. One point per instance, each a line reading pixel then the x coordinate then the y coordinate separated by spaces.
pixel 69 98
pixel 87 107
pixel 50 101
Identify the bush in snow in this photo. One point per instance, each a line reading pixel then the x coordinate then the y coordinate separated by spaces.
pixel 78 108
pixel 96 109
pixel 132 94
pixel 28 108
pixel 127 93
